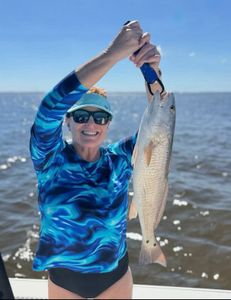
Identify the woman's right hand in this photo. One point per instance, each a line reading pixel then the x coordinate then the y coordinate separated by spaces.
pixel 129 39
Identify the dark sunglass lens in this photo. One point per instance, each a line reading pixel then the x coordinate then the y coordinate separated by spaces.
pixel 80 116
pixel 101 118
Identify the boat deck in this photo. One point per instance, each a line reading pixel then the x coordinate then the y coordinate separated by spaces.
pixel 37 289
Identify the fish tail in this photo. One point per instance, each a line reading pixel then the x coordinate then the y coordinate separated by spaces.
pixel 154 254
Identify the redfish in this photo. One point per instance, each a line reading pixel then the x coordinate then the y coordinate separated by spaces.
pixel 151 160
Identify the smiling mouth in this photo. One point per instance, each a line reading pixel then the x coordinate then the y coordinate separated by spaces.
pixel 90 133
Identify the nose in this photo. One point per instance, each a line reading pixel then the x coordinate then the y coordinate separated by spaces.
pixel 91 120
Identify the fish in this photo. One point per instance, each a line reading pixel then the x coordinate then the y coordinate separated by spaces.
pixel 151 162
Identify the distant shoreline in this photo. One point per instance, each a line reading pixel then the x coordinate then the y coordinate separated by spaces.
pixel 121 92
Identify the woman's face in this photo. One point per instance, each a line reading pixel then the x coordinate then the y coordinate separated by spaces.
pixel 90 134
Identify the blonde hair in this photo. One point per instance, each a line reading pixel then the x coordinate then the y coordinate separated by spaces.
pixel 98 91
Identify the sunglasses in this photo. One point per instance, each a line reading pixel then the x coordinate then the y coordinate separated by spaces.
pixel 100 117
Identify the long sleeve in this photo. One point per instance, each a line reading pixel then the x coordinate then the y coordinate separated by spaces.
pixel 124 147
pixel 46 133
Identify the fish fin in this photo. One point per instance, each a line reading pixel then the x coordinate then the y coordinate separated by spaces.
pixel 135 155
pixel 148 153
pixel 154 254
pixel 132 211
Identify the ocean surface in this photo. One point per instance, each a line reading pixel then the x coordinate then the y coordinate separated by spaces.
pixel 195 232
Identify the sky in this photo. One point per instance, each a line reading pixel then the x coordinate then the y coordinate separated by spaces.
pixel 42 41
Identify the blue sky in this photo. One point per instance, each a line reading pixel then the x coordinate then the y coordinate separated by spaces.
pixel 42 41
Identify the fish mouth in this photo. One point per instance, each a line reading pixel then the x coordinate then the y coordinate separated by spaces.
pixel 89 133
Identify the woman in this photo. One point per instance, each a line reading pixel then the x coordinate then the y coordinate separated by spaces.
pixel 82 186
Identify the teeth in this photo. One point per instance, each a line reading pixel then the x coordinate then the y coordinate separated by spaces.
pixel 90 133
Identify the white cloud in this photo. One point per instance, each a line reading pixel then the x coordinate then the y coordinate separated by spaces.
pixel 192 54
pixel 223 60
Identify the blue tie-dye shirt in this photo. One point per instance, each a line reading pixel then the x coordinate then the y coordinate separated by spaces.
pixel 83 205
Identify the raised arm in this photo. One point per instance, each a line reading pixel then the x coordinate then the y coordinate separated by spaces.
pixel 46 133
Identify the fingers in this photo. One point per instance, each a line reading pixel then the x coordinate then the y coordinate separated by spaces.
pixel 144 39
pixel 147 54
pixel 143 51
pixel 132 24
pixel 155 65
pixel 136 29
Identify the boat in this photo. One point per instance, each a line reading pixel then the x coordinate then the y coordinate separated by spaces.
pixel 25 288
pixel 37 289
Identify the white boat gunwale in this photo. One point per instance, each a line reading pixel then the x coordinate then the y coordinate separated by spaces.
pixel 37 289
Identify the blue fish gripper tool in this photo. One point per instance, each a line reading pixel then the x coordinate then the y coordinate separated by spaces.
pixel 150 75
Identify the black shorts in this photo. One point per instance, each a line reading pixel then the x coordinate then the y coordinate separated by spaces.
pixel 88 285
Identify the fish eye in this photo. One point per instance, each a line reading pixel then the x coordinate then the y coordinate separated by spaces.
pixel 172 107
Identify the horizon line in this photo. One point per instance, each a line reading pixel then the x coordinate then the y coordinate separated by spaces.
pixel 179 92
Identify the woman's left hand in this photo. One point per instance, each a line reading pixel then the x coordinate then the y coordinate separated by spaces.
pixel 147 54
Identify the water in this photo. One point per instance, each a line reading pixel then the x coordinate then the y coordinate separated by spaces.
pixel 195 230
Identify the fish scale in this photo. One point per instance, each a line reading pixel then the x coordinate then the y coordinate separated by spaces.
pixel 150 160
